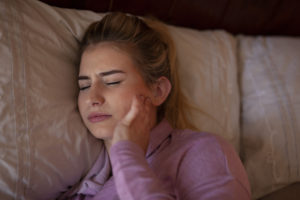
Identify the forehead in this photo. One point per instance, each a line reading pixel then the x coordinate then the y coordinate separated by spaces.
pixel 105 56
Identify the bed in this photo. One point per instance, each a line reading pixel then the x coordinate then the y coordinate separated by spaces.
pixel 239 62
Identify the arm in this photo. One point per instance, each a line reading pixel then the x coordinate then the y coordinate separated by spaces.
pixel 207 173
pixel 204 172
pixel 133 177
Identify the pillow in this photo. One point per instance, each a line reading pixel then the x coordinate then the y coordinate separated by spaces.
pixel 270 80
pixel 208 75
pixel 44 146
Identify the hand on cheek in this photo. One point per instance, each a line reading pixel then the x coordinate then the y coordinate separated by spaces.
pixel 136 124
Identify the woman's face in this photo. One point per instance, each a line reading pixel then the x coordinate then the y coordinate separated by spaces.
pixel 108 81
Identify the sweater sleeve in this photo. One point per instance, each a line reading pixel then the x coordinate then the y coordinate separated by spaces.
pixel 207 169
pixel 134 178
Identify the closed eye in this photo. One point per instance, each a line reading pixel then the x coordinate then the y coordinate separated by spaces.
pixel 113 83
pixel 83 88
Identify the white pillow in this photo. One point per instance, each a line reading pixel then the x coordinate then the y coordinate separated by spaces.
pixel 270 85
pixel 44 145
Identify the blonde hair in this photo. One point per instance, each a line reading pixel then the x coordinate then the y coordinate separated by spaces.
pixel 152 48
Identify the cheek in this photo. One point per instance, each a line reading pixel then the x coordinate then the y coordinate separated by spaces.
pixel 81 104
pixel 123 99
pixel 122 103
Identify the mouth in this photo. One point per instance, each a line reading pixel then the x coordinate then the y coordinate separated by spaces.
pixel 98 117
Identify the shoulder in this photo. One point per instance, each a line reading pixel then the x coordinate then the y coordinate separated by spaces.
pixel 207 157
pixel 202 141
pixel 206 154
pixel 207 150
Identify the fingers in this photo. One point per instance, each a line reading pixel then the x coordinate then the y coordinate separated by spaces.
pixel 140 104
pixel 136 124
pixel 131 113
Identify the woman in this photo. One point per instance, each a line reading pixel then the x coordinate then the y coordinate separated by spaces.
pixel 129 97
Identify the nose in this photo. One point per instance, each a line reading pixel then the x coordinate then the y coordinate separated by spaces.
pixel 96 96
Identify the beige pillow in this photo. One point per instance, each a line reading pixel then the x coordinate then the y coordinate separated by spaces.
pixel 208 73
pixel 44 145
pixel 270 85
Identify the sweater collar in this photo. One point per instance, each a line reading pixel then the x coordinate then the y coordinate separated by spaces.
pixel 157 135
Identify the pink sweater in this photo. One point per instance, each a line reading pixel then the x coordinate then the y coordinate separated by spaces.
pixel 179 164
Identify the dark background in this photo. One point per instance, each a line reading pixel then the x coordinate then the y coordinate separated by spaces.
pixel 251 17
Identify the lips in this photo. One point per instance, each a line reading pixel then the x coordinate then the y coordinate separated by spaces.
pixel 98 117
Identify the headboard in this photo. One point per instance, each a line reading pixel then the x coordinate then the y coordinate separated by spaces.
pixel 250 17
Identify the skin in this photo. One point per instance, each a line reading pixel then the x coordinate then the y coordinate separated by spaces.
pixel 116 89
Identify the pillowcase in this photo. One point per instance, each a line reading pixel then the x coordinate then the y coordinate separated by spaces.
pixel 208 75
pixel 270 80
pixel 44 145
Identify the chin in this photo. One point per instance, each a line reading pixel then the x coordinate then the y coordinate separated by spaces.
pixel 101 130
pixel 102 133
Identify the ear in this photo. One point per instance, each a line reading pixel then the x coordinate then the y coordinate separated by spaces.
pixel 160 90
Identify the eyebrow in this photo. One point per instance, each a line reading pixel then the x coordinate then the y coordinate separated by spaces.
pixel 102 74
pixel 111 72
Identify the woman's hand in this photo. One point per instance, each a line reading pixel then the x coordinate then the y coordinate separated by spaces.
pixel 136 124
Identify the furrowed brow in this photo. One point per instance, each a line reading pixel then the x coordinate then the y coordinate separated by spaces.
pixel 102 74
pixel 83 78
pixel 111 72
